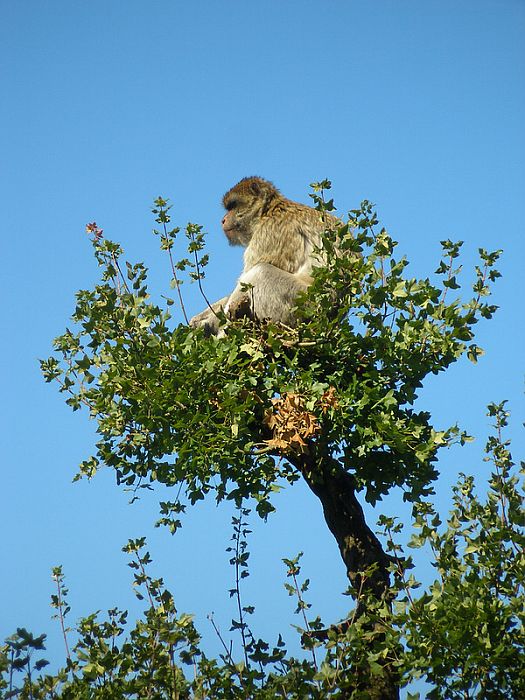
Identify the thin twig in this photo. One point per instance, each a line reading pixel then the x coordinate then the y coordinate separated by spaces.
pixel 177 283
pixel 238 586
pixel 61 616
pixel 116 263
pixel 306 623
pixel 199 274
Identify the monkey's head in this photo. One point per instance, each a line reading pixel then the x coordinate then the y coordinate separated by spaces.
pixel 245 203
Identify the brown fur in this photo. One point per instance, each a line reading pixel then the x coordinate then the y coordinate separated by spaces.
pixel 280 237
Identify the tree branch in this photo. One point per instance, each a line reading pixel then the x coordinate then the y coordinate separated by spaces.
pixel 367 564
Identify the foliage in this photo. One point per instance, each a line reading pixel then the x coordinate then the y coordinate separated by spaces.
pixel 331 401
pixel 467 632
pixel 368 338
pixel 464 635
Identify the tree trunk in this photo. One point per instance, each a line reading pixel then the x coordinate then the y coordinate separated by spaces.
pixel 360 549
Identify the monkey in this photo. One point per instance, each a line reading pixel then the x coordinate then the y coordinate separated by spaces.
pixel 282 241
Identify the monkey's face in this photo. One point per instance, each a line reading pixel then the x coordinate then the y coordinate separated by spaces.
pixel 236 222
pixel 244 205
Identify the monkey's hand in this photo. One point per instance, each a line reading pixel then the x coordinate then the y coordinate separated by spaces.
pixel 209 318
pixel 239 306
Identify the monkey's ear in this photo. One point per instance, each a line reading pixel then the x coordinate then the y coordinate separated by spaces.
pixel 255 187
pixel 261 188
pixel 251 185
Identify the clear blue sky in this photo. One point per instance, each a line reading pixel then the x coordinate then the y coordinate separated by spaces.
pixel 417 106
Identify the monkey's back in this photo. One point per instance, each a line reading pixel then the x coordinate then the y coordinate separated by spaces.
pixel 286 235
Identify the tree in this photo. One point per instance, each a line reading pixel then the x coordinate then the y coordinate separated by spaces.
pixel 330 402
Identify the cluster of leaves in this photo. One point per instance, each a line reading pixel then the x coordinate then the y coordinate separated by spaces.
pixel 369 336
pixel 225 416
pixel 471 622
pixel 464 635
pixel 160 657
pixel 291 424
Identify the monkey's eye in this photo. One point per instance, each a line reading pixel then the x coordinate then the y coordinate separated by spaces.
pixel 232 204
